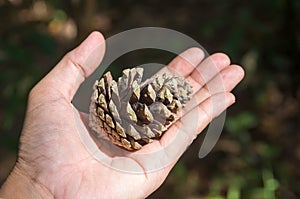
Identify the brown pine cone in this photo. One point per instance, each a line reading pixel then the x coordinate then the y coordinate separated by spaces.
pixel 132 113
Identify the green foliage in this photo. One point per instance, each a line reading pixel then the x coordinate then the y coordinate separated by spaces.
pixel 238 126
pixel 270 185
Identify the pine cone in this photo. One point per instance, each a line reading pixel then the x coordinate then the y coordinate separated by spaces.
pixel 133 113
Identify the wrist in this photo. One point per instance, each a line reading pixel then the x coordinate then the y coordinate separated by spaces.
pixel 20 185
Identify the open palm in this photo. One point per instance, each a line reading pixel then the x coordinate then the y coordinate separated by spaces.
pixel 55 155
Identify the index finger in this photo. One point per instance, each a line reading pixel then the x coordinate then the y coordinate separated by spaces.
pixel 184 63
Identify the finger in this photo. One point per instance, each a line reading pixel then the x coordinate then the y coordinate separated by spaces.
pixel 166 151
pixel 209 68
pixel 70 72
pixel 184 63
pixel 225 81
pixel 184 131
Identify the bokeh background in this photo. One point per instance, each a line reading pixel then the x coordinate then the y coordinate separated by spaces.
pixel 258 155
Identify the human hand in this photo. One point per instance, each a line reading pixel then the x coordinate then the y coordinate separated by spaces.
pixel 53 162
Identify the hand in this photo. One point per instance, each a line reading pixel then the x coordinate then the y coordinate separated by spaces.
pixel 54 163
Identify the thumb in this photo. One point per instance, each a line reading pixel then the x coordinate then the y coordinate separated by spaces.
pixel 65 78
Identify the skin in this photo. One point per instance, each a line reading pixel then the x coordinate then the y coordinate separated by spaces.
pixel 53 162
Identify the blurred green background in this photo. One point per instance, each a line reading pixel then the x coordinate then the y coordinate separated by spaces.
pixel 258 155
